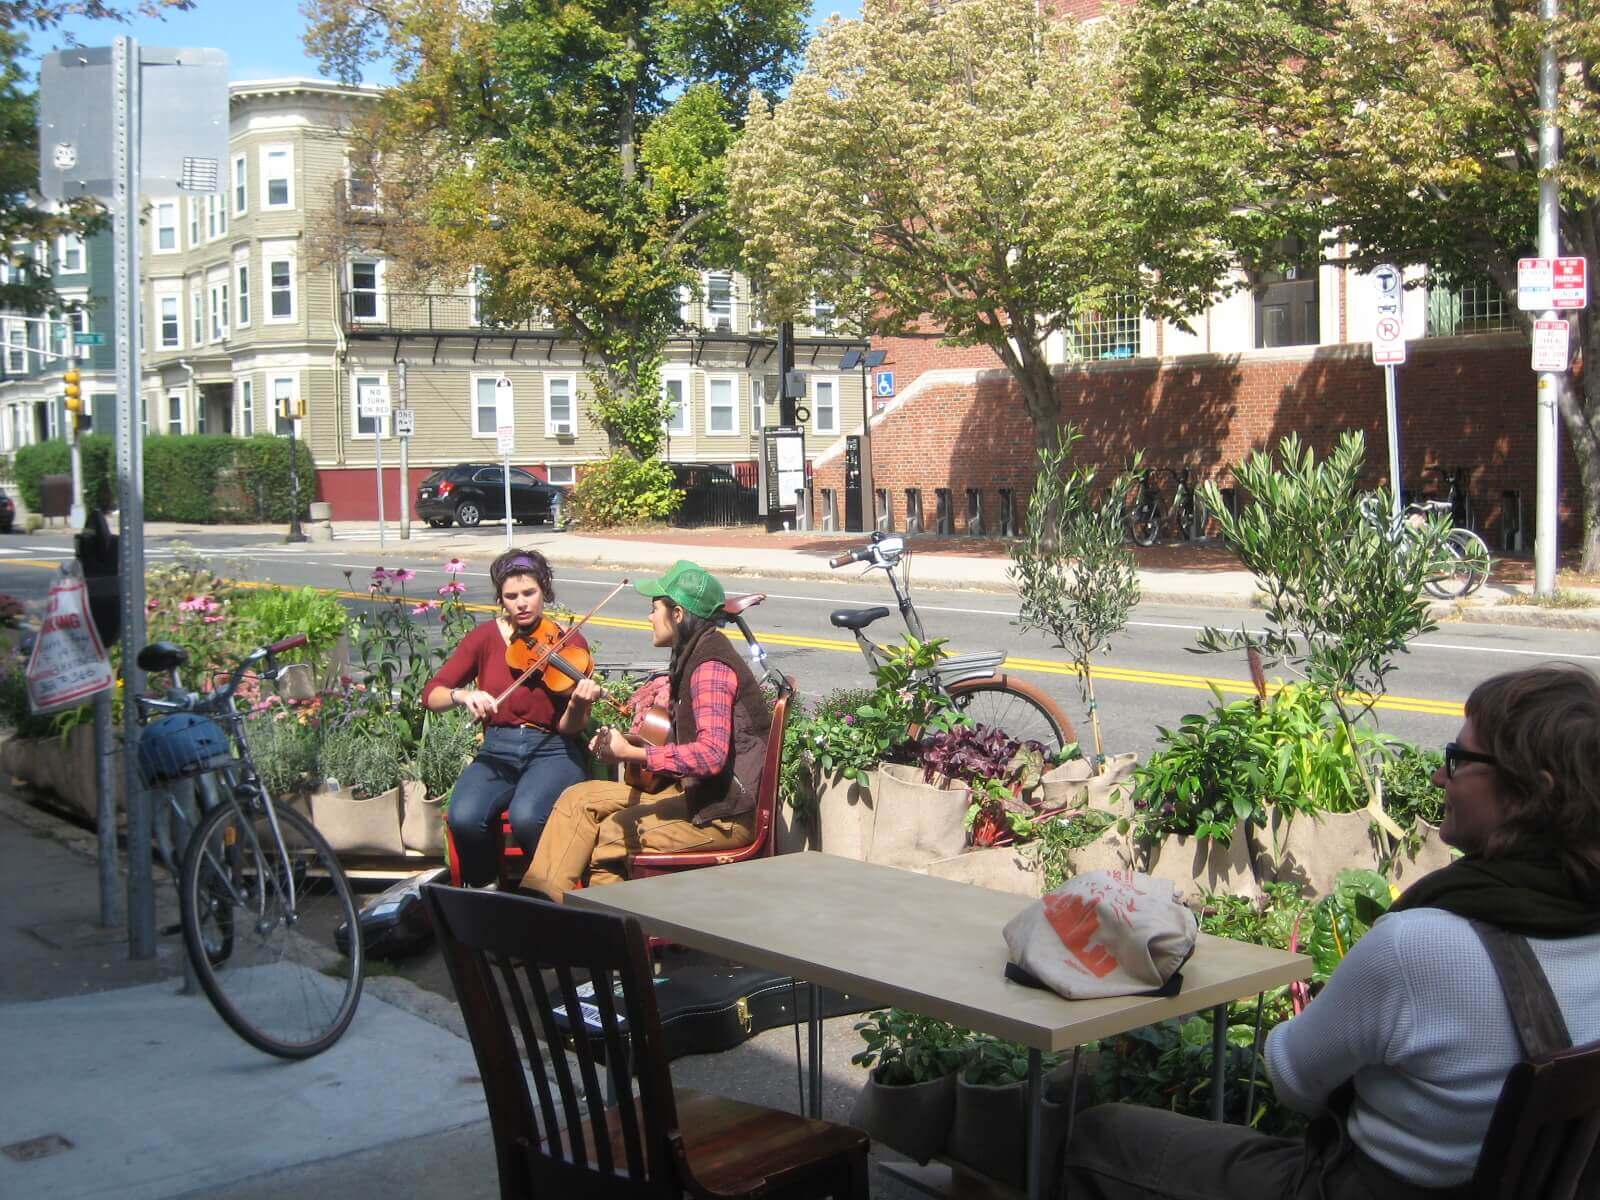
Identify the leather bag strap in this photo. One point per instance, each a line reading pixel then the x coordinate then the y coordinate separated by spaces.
pixel 1541 1029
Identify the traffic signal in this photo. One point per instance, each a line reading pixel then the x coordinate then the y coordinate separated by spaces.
pixel 74 393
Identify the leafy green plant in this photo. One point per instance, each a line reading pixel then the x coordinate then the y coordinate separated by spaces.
pixel 1409 793
pixel 98 455
pixel 261 472
pixel 622 490
pixel 191 605
pixel 995 1062
pixel 1055 840
pixel 351 754
pixel 1072 566
pixel 449 740
pixel 182 473
pixel 1359 898
pixel 270 614
pixel 283 742
pixel 1342 598
pixel 16 712
pixel 907 1047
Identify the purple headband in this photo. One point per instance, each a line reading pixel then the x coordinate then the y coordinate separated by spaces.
pixel 521 560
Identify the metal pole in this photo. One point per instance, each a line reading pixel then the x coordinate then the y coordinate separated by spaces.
pixel 106 812
pixel 74 440
pixel 1219 1061
pixel 507 481
pixel 869 492
pixel 377 447
pixel 130 489
pixel 1548 397
pixel 296 534
pixel 1392 407
pixel 405 466
pixel 1035 1119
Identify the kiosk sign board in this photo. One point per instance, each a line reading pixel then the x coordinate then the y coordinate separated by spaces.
pixel 786 466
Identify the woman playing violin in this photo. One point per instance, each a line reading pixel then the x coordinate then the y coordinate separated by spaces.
pixel 532 744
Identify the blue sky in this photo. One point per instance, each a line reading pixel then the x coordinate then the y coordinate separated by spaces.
pixel 261 37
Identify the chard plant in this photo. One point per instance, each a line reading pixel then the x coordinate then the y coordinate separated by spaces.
pixel 1072 567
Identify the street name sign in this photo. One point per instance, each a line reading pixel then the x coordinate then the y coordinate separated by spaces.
pixel 89 339
pixel 1551 350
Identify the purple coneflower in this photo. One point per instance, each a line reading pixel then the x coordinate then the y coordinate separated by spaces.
pixel 402 575
pixel 453 588
pixel 455 567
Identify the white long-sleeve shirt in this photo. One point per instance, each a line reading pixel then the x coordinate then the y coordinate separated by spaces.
pixel 1416 1015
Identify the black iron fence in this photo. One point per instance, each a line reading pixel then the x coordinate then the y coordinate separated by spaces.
pixel 716 495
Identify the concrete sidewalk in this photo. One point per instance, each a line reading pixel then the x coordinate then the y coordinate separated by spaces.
pixel 117 1085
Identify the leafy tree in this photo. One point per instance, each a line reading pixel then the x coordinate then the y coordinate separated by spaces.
pixel 1342 597
pixel 1072 567
pixel 1404 130
pixel 571 154
pixel 965 167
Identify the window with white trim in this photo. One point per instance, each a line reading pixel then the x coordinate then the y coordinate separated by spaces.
pixel 245 390
pixel 280 291
pixel 194 221
pixel 675 391
pixel 16 349
pixel 216 217
pixel 69 254
pixel 366 427
pixel 758 403
pixel 825 405
pixel 285 392
pixel 241 184
pixel 200 413
pixel 366 302
pixel 486 391
pixel 197 320
pixel 822 314
pixel 560 405
pixel 52 418
pixel 361 185
pixel 218 297
pixel 241 274
pixel 719 301
pixel 277 177
pixel 722 405
pixel 165 227
pixel 171 323
pixel 174 412
pixel 561 476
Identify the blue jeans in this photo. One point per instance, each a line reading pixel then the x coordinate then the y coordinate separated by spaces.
pixel 519 771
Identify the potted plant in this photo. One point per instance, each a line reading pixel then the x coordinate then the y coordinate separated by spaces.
pixel 357 807
pixel 449 740
pixel 909 1097
pixel 987 1133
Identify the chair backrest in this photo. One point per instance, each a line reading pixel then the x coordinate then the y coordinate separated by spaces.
pixel 514 960
pixel 771 768
pixel 1542 1138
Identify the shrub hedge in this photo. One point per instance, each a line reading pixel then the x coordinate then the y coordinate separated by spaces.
pixel 205 478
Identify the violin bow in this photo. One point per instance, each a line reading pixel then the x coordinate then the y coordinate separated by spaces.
pixel 559 644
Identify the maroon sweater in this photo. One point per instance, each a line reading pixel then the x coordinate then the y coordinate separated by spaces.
pixel 480 660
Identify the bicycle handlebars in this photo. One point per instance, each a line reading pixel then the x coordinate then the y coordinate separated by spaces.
pixel 219 699
pixel 884 550
pixel 850 556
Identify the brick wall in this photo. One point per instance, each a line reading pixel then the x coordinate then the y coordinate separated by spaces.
pixel 1462 402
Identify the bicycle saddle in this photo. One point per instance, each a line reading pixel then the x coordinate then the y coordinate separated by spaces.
pixel 162 656
pixel 856 618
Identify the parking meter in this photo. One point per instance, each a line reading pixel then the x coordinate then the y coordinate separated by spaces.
pixel 97 556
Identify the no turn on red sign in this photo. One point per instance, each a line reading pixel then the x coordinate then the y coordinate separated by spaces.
pixel 1388 340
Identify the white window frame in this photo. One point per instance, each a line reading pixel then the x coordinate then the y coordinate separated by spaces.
pixel 758 403
pixel 16 348
pixel 568 471
pixel 197 317
pixel 167 421
pixel 349 192
pixel 244 394
pixel 377 264
pixel 293 380
pixel 831 382
pixel 732 407
pixel 379 425
pixel 680 423
pixel 501 415
pixel 164 218
pixel 713 311
pixel 241 292
pixel 176 342
pixel 571 380
pixel 194 221
pixel 267 177
pixel 267 315
pixel 216 216
pixel 217 309
pixel 67 245
pixel 824 314
pixel 241 184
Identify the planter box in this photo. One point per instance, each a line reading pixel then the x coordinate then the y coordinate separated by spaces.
pixel 358 824
pixel 1063 786
pixel 988 1132
pixel 421 820
pixel 913 1118
pixel 844 817
pixel 913 822
pixel 1198 866
pixel 1406 869
pixel 1112 790
pixel 1310 849
pixel 792 831
pixel 1111 851
pixel 998 868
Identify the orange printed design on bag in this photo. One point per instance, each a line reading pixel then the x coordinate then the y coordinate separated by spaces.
pixel 1073 918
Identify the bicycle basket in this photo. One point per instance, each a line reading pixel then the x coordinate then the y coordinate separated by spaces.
pixel 181 745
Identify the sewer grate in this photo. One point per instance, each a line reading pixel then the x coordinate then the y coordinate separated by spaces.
pixel 39 1147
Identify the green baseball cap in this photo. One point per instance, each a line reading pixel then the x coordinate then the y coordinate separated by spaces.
pixel 695 588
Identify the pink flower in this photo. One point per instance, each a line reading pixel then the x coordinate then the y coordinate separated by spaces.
pixel 152 605
pixel 427 606
pixel 200 604
pixel 455 567
pixel 212 620
pixel 453 588
pixel 379 575
pixel 403 574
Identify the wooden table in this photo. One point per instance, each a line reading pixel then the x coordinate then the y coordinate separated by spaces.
pixel 913 941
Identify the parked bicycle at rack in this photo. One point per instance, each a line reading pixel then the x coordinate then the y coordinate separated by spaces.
pixel 260 892
pixel 975 683
pixel 1467 560
pixel 1147 514
pixel 1455 495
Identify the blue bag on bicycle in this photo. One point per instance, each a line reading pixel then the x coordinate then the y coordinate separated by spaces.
pixel 181 745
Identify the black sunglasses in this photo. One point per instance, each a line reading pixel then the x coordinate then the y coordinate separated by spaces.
pixel 1455 755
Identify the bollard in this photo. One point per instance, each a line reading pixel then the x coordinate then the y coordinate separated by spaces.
pixel 975 511
pixel 830 511
pixel 913 510
pixel 1008 512
pixel 943 520
pixel 885 512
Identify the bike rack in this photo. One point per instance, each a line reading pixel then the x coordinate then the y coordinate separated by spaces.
pixel 1511 520
pixel 975 511
pixel 1008 512
pixel 913 510
pixel 802 509
pixel 943 521
pixel 830 510
pixel 885 511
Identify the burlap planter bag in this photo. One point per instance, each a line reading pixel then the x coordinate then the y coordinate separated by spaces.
pixel 913 1118
pixel 1406 869
pixel 1112 790
pixel 1310 849
pixel 1111 851
pixel 915 823
pixel 998 868
pixel 987 1131
pixel 1202 866
pixel 1064 787
pixel 421 820
pixel 358 824
pixel 843 823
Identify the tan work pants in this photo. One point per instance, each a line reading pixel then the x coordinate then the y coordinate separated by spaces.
pixel 597 824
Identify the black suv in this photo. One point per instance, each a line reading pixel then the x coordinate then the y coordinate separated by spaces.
pixel 468 493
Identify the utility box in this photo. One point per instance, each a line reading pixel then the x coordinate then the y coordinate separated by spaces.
pixel 55 496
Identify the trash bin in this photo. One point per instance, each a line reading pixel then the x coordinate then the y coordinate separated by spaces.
pixel 55 496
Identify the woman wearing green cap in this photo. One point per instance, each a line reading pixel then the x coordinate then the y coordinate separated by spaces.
pixel 720 722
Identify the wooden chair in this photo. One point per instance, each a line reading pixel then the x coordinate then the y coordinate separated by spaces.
pixel 643 865
pixel 1542 1139
pixel 501 951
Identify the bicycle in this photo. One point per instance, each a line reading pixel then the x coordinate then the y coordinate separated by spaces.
pixel 1146 513
pixel 1456 495
pixel 974 683
pixel 256 882
pixel 1467 557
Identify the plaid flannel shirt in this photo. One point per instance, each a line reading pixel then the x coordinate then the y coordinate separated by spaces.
pixel 712 689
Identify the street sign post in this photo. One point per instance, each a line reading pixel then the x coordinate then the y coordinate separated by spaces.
pixel 1551 345
pixel 1547 283
pixel 373 405
pixel 92 338
pixel 1388 351
pixel 404 427
pixel 506 438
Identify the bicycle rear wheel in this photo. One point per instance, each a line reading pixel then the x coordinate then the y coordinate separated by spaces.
pixel 1022 710
pixel 1475 559
pixel 282 987
pixel 1144 526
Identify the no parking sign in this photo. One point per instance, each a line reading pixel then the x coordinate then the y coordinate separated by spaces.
pixel 68 663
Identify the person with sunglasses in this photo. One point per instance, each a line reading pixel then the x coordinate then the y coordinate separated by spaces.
pixel 1401 1057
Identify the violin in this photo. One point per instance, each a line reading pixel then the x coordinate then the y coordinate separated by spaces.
pixel 562 665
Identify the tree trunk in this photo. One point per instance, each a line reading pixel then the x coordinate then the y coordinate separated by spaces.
pixel 1024 358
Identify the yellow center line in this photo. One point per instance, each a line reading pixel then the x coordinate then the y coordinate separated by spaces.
pixel 1040 666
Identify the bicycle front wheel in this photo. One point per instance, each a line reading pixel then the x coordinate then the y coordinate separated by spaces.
pixel 1474 559
pixel 1022 710
pixel 281 987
